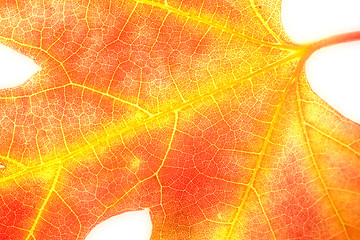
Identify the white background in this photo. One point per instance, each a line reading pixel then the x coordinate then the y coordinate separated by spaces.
pixel 333 72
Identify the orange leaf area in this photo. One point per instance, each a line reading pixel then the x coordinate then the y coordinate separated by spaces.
pixel 196 109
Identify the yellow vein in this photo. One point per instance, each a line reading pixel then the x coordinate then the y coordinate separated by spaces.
pixel 264 22
pixel 87 14
pixel 154 117
pixel 71 210
pixel 13 161
pixel 118 38
pixel 210 23
pixel 261 156
pixel 115 98
pixel 332 138
pixel 161 165
pixel 12 139
pixel 352 226
pixel 307 140
pixel 344 190
pixel 166 155
pixel 263 210
pixel 31 232
pixel 43 165
pixel 170 142
pixel 128 191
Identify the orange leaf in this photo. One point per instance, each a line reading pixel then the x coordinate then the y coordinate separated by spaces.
pixel 198 110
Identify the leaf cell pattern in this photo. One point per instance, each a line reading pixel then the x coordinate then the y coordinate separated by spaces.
pixel 196 109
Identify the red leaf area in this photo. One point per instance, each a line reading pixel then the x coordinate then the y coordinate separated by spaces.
pixel 196 109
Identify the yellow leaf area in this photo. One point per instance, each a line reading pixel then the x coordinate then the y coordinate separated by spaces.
pixel 196 109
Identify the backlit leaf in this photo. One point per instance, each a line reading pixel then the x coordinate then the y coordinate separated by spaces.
pixel 198 110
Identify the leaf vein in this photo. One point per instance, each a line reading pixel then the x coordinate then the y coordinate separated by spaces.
pixel 261 155
pixel 332 138
pixel 264 22
pixel 307 140
pixel 31 232
pixel 210 23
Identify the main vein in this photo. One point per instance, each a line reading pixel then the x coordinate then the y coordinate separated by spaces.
pixel 307 140
pixel 264 147
pixel 117 132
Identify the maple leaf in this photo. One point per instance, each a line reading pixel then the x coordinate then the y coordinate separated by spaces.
pixel 198 110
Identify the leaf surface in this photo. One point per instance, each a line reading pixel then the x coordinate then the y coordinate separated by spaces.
pixel 198 110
